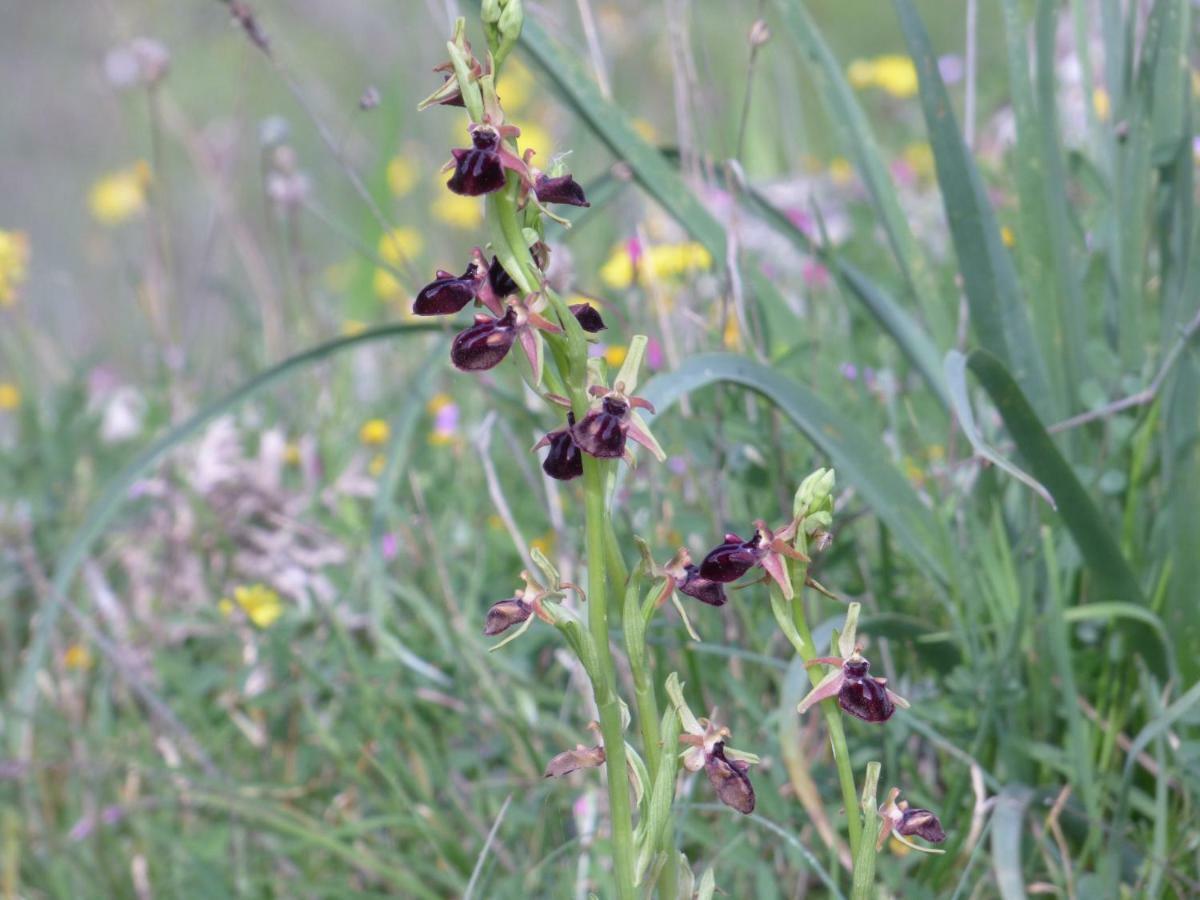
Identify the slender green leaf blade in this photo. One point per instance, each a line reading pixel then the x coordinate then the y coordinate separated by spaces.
pixel 989 279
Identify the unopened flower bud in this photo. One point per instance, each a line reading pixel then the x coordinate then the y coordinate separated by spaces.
pixel 760 33
pixel 572 760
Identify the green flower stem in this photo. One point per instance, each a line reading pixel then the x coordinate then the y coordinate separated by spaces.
pixel 829 708
pixel 863 885
pixel 604 685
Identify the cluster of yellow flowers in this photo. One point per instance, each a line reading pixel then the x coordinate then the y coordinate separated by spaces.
pixel 261 605
pixel 120 195
pixel 14 264
pixel 394 248
pixel 891 72
pixel 657 262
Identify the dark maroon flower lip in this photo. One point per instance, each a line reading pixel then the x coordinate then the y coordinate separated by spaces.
pixel 858 692
pixel 564 461
pixel 922 823
pixel 704 590
pixel 601 434
pixel 588 317
pixel 731 560
pixel 476 171
pixel 728 778
pixel 502 283
pixel 484 344
pixel 563 189
pixel 446 294
pixel 505 614
pixel 866 699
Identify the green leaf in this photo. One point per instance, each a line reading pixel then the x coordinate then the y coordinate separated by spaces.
pixel 1114 577
pixel 858 139
pixel 989 279
pixel 855 455
pixel 105 509
pixel 615 129
pixel 1007 829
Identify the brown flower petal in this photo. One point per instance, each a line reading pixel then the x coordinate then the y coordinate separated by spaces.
pixel 728 778
pixel 572 760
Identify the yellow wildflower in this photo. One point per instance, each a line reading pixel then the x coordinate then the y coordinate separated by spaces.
pixel 617 271
pixel 841 171
pixel 261 605
pixel 376 466
pixel 291 454
pixel 386 285
pixel 919 156
pixel 457 211
pixel 891 72
pixel 401 175
pixel 121 195
pixel 77 657
pixel 936 452
pixel 10 396
pixel 615 355
pixel 516 86
pixel 352 327
pixel 225 605
pixel 374 432
pixel 1101 104
pixel 657 262
pixel 495 522
pixel 1007 236
pixel 14 264
pixel 400 244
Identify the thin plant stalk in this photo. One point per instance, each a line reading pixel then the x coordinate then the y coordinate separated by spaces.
pixel 604 685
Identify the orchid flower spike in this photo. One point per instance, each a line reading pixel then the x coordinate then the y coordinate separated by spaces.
pixel 903 821
pixel 733 558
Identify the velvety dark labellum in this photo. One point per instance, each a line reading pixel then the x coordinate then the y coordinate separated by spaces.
pixel 446 294
pixel 588 317
pixel 865 698
pixel 563 461
pixel 922 823
pixel 602 431
pixel 563 189
pixel 731 560
pixel 484 344
pixel 501 282
pixel 477 170
pixel 696 585
pixel 505 614
pixel 729 780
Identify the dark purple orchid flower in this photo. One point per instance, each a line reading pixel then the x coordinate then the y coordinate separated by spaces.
pixel 484 344
pixel 733 558
pixel 447 294
pixel 858 692
pixel 501 282
pixel 706 591
pixel 588 317
pixel 562 189
pixel 908 821
pixel 603 431
pixel 505 614
pixel 564 461
pixel 478 169
pixel 728 778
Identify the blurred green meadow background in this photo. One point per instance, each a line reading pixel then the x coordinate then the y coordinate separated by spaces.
pixel 251 520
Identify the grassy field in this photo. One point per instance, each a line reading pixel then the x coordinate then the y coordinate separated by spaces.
pixel 252 521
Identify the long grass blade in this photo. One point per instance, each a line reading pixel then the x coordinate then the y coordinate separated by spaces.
pixel 998 317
